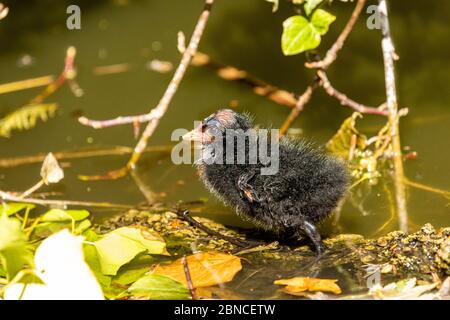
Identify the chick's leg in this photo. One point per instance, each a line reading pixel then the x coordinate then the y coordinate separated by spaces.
pixel 246 190
pixel 313 234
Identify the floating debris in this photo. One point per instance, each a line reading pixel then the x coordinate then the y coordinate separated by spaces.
pixel 159 66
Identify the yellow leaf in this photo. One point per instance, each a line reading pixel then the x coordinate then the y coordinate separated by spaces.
pixel 300 284
pixel 206 269
pixel 341 143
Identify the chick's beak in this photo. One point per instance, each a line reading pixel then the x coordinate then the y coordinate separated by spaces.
pixel 195 135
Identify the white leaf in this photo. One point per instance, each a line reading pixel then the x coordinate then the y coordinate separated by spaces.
pixel 51 172
pixel 59 263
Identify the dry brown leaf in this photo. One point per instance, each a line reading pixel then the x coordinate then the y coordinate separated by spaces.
pixel 300 284
pixel 206 269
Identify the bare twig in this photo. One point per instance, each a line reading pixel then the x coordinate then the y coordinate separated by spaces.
pixel 154 116
pixel 184 214
pixel 392 107
pixel 331 54
pixel 67 73
pixel 25 84
pixel 346 101
pixel 163 104
pixel 100 124
pixel 323 81
pixel 77 154
pixel 425 187
pixel 187 274
pixel 32 189
pixel 302 100
pixel 4 196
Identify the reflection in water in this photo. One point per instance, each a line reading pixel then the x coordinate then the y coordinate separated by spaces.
pixel 244 35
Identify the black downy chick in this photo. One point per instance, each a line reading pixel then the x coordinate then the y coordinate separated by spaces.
pixel 306 188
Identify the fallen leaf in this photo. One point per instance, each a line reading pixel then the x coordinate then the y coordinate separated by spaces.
pixel 206 269
pixel 300 284
pixel 406 289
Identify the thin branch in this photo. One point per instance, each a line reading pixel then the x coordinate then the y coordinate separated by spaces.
pixel 163 104
pixel 5 196
pixel 100 124
pixel 78 154
pixel 25 84
pixel 392 107
pixel 184 214
pixel 330 57
pixel 187 274
pixel 346 101
pixel 302 100
pixel 331 54
pixel 67 73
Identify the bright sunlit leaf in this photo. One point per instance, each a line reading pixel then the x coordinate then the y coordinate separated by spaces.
pixel 60 265
pixel 121 245
pixel 300 34
pixel 14 252
pixel 11 208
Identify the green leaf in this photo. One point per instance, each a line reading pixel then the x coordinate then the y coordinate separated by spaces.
pixel 121 245
pixel 2 272
pixel 58 215
pixel 93 261
pixel 300 35
pixel 134 270
pixel 310 5
pixel 14 252
pixel 82 226
pixel 159 288
pixel 321 20
pixel 12 207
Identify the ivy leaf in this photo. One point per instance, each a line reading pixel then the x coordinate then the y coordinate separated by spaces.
pixel 14 253
pixel 120 246
pixel 134 270
pixel 310 5
pixel 13 208
pixel 300 34
pixel 321 20
pixel 58 215
pixel 159 287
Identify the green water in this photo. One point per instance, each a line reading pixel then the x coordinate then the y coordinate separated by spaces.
pixel 244 34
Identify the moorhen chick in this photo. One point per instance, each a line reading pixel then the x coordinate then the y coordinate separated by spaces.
pixel 306 188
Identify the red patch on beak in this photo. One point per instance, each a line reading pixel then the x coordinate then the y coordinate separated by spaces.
pixel 198 135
